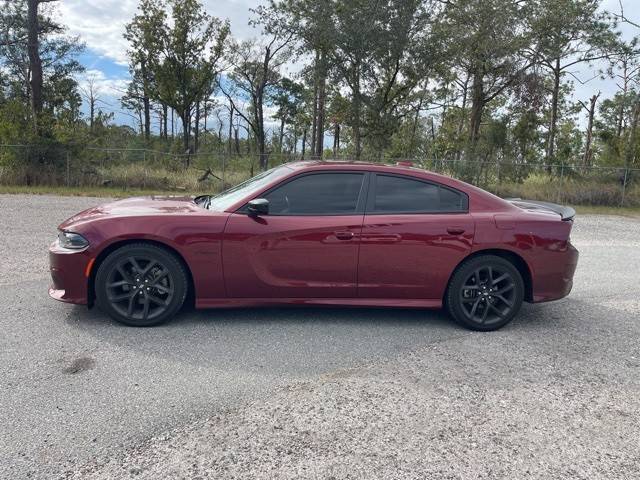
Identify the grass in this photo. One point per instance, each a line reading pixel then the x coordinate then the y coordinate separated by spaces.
pixel 107 192
pixel 595 210
pixel 114 192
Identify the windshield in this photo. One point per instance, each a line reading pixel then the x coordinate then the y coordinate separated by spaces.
pixel 224 200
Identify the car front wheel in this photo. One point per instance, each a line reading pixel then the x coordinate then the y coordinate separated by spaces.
pixel 141 285
pixel 485 293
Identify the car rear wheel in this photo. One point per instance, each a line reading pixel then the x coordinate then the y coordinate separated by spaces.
pixel 485 293
pixel 141 285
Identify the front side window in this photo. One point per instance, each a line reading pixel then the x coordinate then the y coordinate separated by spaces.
pixel 317 194
pixel 224 200
pixel 395 194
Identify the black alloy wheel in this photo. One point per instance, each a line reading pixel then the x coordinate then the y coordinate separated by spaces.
pixel 141 285
pixel 485 293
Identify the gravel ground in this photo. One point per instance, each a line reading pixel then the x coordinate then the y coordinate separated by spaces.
pixel 320 393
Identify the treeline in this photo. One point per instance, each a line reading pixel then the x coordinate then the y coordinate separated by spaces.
pixel 460 80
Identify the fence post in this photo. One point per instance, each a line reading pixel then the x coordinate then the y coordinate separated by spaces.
pixel 144 166
pixel 624 185
pixel 498 177
pixel 68 170
pixel 559 198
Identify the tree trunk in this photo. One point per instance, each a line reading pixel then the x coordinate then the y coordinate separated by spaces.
pixel 140 121
pixel 35 63
pixel 314 125
pixel 463 113
pixel 414 131
pixel 231 109
pixel 165 114
pixel 630 150
pixel 196 130
pixel 146 102
pixel 320 123
pixel 186 123
pixel 477 107
pixel 304 142
pixel 92 113
pixel 205 117
pixel 625 89
pixel 260 135
pixel 357 106
pixel 553 124
pixel 281 135
pixel 336 140
pixel 588 154
pixel 321 104
pixel 620 121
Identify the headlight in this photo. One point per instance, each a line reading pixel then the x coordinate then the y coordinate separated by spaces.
pixel 73 241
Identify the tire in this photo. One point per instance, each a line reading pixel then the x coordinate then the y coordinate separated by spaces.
pixel 485 293
pixel 141 285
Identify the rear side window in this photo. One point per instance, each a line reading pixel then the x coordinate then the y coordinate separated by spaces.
pixel 395 194
pixel 317 194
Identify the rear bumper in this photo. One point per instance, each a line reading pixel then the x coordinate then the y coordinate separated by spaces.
pixel 68 275
pixel 555 279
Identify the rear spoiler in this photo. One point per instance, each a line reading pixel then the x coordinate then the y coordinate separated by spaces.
pixel 567 213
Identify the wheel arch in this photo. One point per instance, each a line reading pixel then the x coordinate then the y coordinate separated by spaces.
pixel 516 260
pixel 112 247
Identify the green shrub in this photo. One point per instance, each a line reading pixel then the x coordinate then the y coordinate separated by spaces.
pixel 572 191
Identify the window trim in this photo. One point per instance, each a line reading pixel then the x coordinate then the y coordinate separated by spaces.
pixel 370 206
pixel 360 205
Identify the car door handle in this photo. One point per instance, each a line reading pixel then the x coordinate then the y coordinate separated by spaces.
pixel 381 238
pixel 344 235
pixel 455 230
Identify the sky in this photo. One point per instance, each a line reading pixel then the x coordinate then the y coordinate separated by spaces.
pixel 100 25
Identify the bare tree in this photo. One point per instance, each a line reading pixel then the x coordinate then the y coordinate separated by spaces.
pixel 591 110
pixel 91 94
pixel 254 70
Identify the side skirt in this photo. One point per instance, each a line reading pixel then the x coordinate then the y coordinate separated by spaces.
pixel 343 302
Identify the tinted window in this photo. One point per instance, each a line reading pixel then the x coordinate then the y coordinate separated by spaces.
pixel 317 194
pixel 227 198
pixel 452 201
pixel 404 195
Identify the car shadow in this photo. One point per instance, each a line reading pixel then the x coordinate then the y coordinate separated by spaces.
pixel 278 337
pixel 292 339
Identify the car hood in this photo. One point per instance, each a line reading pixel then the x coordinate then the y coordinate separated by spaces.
pixel 130 207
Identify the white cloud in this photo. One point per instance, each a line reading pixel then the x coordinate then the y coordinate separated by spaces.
pixel 100 23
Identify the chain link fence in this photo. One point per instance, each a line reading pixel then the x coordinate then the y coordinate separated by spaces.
pixel 147 169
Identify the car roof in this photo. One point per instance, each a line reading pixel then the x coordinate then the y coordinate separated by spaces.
pixel 367 166
pixel 301 164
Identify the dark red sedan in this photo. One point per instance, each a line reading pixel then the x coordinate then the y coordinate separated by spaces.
pixel 319 233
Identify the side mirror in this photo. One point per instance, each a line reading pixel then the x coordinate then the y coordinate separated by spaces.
pixel 257 207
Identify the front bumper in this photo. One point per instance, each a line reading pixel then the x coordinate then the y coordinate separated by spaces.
pixel 69 274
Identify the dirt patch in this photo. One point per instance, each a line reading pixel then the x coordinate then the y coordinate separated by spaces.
pixel 80 365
